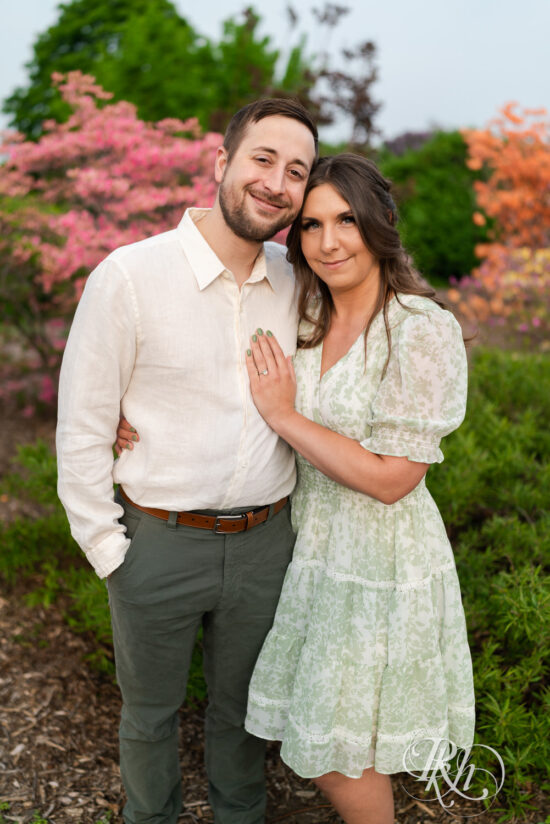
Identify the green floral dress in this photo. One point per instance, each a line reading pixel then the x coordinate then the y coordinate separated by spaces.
pixel 368 652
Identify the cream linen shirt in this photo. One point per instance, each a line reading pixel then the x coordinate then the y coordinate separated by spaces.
pixel 161 333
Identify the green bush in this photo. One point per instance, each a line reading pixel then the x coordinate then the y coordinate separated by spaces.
pixel 435 199
pixel 492 490
pixel 43 551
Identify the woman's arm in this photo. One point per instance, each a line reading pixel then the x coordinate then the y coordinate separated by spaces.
pixel 384 477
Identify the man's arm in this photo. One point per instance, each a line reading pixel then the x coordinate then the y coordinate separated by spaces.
pixel 97 365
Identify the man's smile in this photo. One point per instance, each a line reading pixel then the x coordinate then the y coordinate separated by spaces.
pixel 267 204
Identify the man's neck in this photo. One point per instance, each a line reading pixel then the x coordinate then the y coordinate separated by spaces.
pixel 236 254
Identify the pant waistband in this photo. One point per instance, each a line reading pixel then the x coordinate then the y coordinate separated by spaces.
pixel 220 524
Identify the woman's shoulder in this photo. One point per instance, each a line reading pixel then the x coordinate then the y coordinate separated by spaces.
pixel 419 312
pixel 404 303
pixel 426 331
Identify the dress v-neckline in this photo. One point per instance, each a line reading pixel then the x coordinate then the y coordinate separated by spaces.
pixel 343 357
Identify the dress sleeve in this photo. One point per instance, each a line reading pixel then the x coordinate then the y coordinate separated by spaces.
pixel 423 394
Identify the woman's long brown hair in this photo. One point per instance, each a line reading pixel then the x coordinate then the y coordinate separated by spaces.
pixel 367 192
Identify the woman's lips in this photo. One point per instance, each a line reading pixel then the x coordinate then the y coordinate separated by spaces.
pixel 334 264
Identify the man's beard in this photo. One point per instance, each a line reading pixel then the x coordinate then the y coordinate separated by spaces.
pixel 243 226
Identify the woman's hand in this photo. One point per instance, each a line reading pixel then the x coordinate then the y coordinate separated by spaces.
pixel 272 379
pixel 126 435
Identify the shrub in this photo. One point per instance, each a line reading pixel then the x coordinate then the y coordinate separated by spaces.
pixel 42 550
pixel 435 197
pixel 103 179
pixel 492 490
pixel 511 286
pixel 509 290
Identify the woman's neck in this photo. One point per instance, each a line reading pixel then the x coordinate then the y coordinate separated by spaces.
pixel 356 306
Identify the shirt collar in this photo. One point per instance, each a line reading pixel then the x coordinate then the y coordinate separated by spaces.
pixel 204 262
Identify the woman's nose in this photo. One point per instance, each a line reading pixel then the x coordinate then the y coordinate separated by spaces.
pixel 329 239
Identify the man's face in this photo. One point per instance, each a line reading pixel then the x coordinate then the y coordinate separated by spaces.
pixel 262 187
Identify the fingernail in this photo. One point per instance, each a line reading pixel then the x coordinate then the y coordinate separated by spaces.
pixel 134 437
pixel 254 338
pixel 249 352
pixel 128 446
pixel 269 334
pixel 132 429
pixel 259 332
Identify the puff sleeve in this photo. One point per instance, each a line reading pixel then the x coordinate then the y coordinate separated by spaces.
pixel 423 394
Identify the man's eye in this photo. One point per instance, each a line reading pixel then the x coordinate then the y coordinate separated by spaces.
pixel 297 173
pixel 262 160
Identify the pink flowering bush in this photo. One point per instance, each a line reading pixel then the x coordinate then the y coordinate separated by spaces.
pixel 511 287
pixel 101 180
pixel 510 290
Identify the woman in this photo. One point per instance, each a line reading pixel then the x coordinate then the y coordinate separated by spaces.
pixel 368 653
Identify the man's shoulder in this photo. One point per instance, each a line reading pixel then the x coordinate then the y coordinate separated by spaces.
pixel 275 258
pixel 141 250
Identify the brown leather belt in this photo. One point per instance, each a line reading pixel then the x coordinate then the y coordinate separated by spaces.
pixel 220 524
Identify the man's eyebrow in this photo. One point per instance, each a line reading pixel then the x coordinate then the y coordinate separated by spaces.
pixel 296 162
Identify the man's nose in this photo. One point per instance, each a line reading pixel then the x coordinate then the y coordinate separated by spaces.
pixel 275 180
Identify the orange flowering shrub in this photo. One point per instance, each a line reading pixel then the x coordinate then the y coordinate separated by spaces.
pixel 511 287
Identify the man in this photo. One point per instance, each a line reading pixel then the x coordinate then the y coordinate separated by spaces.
pixel 204 536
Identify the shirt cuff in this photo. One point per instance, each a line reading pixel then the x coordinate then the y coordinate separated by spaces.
pixel 390 440
pixel 108 554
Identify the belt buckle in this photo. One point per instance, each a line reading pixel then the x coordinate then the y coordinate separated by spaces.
pixel 226 518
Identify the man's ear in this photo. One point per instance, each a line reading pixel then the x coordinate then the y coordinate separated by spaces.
pixel 221 164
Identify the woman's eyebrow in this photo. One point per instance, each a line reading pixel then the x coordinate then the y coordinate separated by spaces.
pixel 347 213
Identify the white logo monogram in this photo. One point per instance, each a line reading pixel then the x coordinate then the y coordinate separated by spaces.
pixel 450 782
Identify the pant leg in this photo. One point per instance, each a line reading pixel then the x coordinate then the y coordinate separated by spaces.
pixel 169 579
pixel 254 567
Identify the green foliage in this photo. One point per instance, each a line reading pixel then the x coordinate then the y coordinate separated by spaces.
pixel 43 550
pixel 492 490
pixel 436 200
pixel 144 52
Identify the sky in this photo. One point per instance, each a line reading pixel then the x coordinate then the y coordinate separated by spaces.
pixel 442 63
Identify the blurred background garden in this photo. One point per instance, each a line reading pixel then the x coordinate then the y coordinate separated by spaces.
pixel 112 134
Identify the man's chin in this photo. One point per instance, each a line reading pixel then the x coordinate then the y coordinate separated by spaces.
pixel 259 231
pixel 252 226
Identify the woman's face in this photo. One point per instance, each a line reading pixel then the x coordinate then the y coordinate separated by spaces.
pixel 332 244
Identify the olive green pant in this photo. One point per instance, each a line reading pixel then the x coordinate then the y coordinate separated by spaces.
pixel 174 580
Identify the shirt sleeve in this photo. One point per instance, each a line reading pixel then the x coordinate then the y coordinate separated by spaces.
pixel 423 394
pixel 97 365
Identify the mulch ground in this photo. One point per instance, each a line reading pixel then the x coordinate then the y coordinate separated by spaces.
pixel 59 718
pixel 58 745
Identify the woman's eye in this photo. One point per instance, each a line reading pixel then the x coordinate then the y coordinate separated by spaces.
pixel 310 224
pixel 348 219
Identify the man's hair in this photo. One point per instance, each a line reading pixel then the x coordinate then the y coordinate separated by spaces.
pixel 254 112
